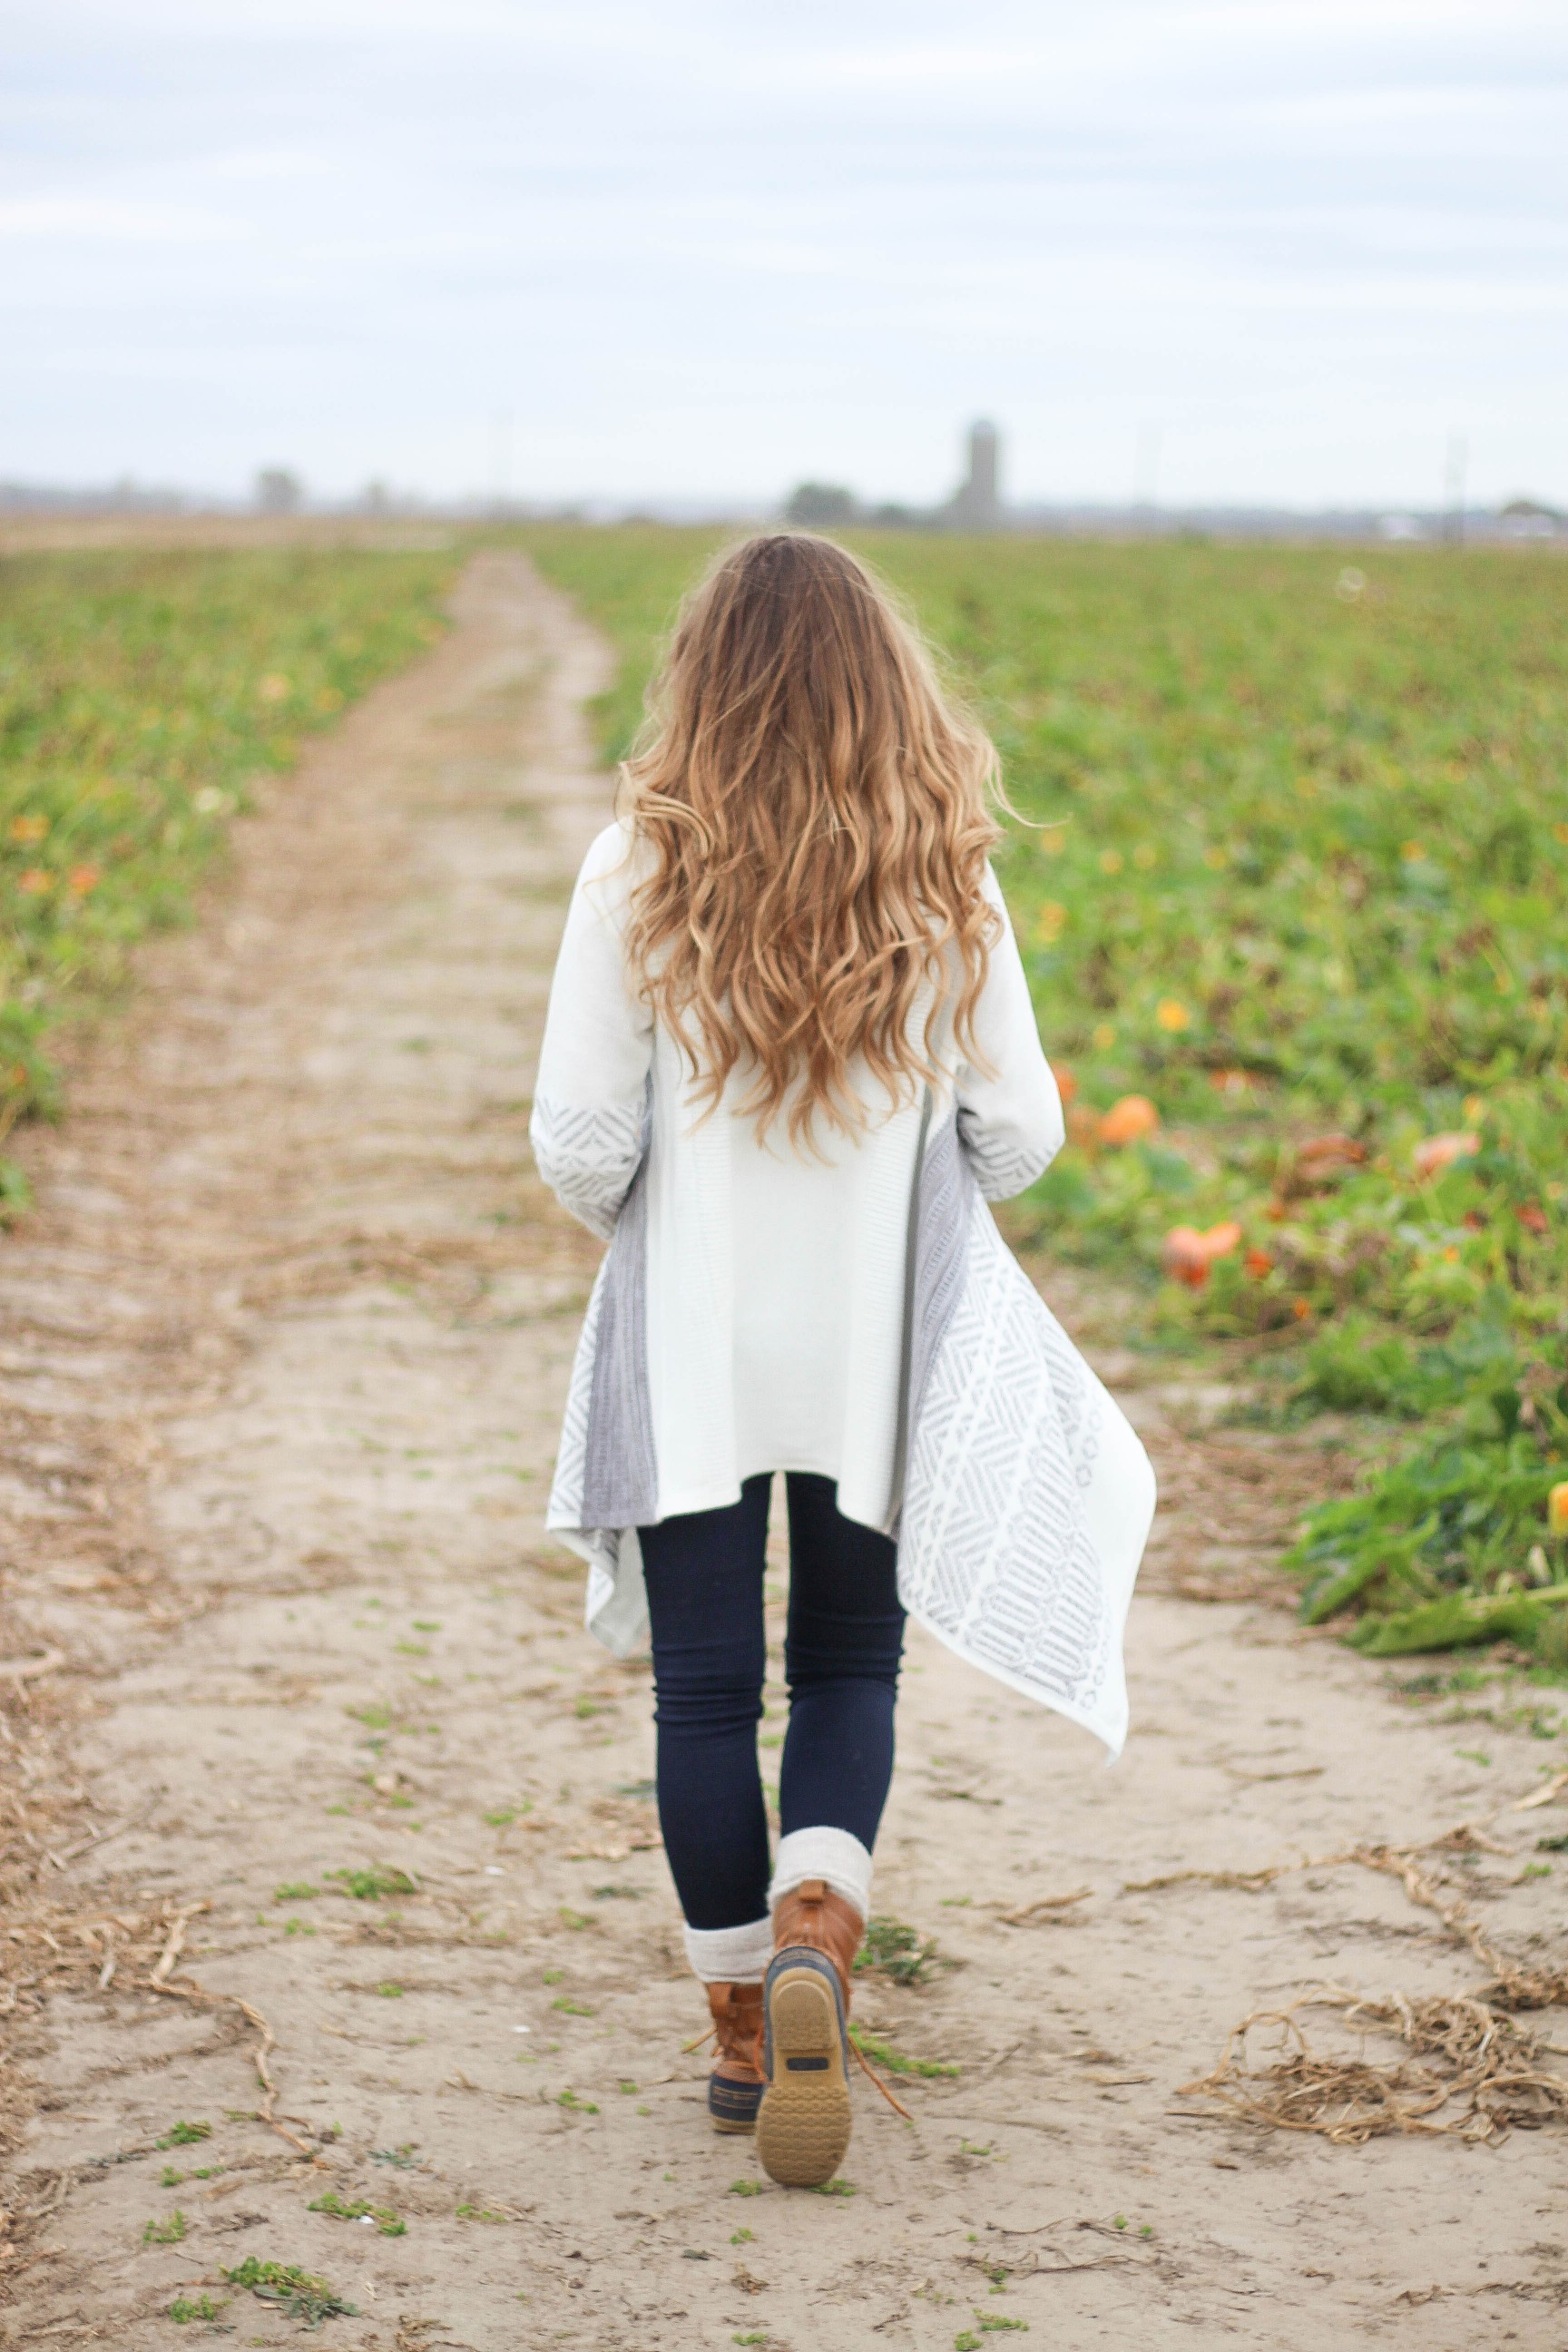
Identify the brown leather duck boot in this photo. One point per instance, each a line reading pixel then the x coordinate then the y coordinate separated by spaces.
pixel 804 2121
pixel 735 2085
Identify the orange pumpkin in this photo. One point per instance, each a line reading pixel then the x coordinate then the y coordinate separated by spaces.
pixel 1189 1254
pixel 1439 1151
pixel 1129 1120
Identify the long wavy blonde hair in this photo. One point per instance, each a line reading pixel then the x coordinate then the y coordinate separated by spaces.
pixel 815 818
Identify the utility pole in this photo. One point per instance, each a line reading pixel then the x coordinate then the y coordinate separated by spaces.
pixel 1453 473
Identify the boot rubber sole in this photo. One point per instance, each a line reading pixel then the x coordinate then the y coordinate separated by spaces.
pixel 804 2121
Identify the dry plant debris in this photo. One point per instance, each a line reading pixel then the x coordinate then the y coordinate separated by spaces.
pixel 1471 2072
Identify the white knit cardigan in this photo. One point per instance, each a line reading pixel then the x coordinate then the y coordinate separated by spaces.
pixel 1018 1493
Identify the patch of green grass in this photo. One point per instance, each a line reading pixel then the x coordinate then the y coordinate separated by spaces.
pixel 570 2008
pixel 1293 867
pixel 295 1890
pixel 402 2157
pixel 834 2188
pixel 896 1950
pixel 895 2061
pixel 373 1885
pixel 183 2135
pixel 165 2233
pixel 299 2294
pixel 388 2223
pixel 184 2308
pixel 745 2188
pixel 574 2104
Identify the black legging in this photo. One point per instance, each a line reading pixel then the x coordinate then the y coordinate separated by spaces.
pixel 704 1573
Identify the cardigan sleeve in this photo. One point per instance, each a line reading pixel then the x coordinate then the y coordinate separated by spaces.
pixel 1009 1117
pixel 589 1122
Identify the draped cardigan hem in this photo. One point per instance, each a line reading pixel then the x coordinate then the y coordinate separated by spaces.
pixel 1021 1497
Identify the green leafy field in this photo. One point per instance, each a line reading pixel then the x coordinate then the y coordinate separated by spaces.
pixel 141 693
pixel 1292 888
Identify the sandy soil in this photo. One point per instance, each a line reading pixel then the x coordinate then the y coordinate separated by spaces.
pixel 281 1358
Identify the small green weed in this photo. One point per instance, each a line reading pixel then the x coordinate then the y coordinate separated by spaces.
pixel 742 2237
pixel 574 2104
pixel 573 1918
pixel 745 2188
pixel 296 2293
pixel 360 2209
pixel 834 2188
pixel 182 2310
pixel 183 2135
pixel 895 1950
pixel 296 1890
pixel 167 2232
pixel 402 2156
pixel 372 1885
pixel 570 2008
pixel 882 2054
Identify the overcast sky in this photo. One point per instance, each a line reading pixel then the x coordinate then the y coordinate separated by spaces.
pixel 688 248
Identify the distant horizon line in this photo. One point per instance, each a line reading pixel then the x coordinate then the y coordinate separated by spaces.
pixel 1522 517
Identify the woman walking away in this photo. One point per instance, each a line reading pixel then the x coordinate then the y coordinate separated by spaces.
pixel 790 1055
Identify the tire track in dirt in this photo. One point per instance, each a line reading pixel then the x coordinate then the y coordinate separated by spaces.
pixel 282 1354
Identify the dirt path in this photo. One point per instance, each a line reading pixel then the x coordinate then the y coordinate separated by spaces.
pixel 281 1361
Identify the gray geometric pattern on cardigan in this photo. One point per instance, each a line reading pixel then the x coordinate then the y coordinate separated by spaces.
pixel 588 1158
pixel 620 1476
pixel 994 1553
pixel 1002 1171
